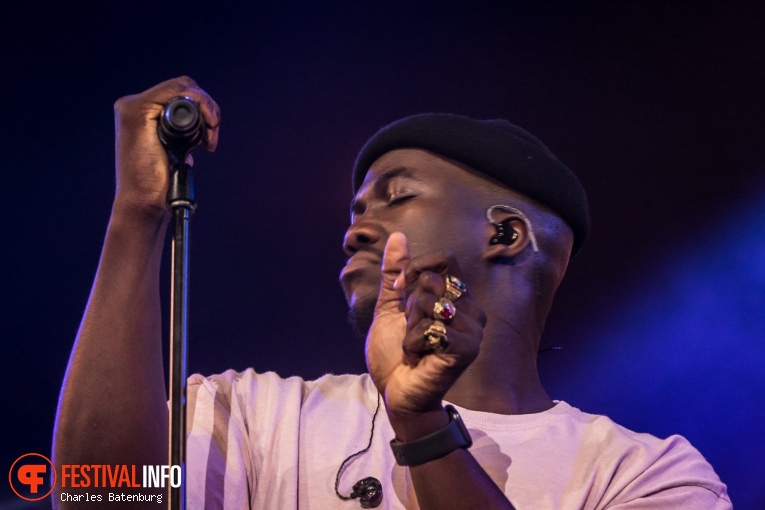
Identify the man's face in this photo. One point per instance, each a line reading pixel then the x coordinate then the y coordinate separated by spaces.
pixel 432 200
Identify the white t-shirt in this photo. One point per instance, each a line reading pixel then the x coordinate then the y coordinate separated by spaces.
pixel 263 442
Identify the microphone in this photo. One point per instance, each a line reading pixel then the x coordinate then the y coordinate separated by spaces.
pixel 181 127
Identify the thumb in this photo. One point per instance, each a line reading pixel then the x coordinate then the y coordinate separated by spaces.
pixel 395 260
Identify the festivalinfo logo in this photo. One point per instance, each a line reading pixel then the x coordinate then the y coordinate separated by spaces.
pixel 30 475
pixel 33 477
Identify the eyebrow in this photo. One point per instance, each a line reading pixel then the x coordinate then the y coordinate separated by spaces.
pixel 382 182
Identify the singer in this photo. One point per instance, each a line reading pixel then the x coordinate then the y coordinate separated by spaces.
pixel 461 232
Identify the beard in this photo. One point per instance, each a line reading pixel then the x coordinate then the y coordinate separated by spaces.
pixel 361 315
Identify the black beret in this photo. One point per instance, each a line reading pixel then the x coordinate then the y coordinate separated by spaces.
pixel 494 147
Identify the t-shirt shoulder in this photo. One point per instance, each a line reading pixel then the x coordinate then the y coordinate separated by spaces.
pixel 628 465
pixel 252 384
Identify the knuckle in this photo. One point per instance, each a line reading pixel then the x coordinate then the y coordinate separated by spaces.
pixel 122 103
pixel 126 108
pixel 186 79
pixel 178 86
pixel 428 279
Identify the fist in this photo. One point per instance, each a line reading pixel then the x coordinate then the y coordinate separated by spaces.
pixel 141 161
pixel 412 375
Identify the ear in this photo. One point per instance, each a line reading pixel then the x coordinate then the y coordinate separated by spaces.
pixel 499 238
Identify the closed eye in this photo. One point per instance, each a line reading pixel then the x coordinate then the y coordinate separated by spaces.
pixel 399 199
pixel 400 195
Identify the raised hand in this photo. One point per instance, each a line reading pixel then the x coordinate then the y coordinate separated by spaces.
pixel 411 372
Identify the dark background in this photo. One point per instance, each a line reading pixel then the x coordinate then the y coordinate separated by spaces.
pixel 658 106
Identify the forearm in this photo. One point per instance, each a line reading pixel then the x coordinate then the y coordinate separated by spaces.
pixel 112 407
pixel 454 481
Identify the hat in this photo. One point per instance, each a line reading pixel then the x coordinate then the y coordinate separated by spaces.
pixel 496 148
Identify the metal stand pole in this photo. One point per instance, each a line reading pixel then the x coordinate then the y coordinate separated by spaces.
pixel 178 343
pixel 180 129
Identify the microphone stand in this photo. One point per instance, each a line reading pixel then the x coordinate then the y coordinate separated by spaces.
pixel 182 207
pixel 181 130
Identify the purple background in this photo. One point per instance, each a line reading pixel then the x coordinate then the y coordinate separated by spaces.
pixel 658 106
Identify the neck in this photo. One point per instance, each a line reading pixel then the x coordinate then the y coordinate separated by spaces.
pixel 503 379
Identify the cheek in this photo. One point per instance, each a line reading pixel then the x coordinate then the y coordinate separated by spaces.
pixel 436 227
pixel 423 228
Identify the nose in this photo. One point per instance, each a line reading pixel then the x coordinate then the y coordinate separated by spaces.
pixel 359 235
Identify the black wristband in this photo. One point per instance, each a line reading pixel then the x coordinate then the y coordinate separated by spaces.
pixel 433 446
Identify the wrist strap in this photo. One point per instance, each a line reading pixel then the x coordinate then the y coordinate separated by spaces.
pixel 433 446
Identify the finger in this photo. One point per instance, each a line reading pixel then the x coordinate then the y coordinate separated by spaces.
pixel 428 282
pixel 420 306
pixel 212 115
pixel 421 299
pixel 442 262
pixel 395 258
pixel 414 345
pixel 168 89
pixel 462 348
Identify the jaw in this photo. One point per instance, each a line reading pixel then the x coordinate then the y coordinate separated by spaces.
pixel 361 312
pixel 361 287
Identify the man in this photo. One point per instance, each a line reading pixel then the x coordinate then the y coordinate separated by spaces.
pixel 461 232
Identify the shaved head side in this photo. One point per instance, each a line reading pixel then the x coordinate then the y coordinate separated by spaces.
pixel 554 236
pixel 543 270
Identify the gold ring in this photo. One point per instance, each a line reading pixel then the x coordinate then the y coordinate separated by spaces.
pixel 444 310
pixel 454 288
pixel 435 336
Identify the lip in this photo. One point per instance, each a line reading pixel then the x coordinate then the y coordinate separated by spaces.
pixel 359 262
